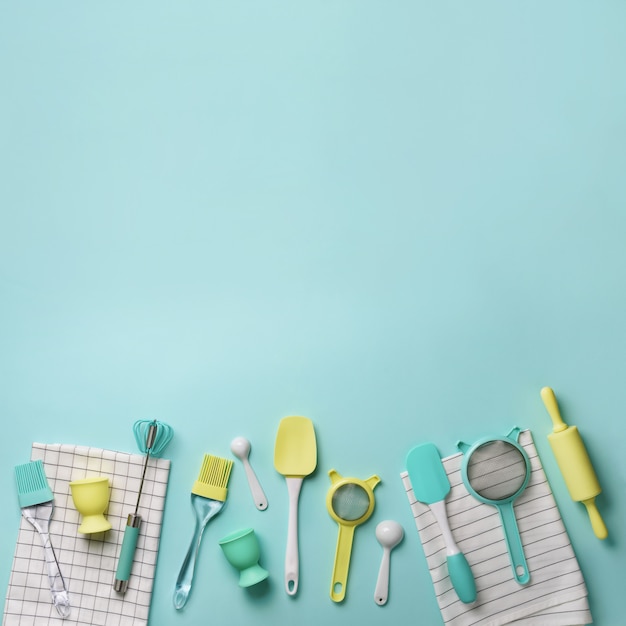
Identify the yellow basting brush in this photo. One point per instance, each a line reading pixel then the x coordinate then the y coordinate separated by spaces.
pixel 208 497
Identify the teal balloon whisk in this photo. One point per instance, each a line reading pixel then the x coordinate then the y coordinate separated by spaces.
pixel 151 437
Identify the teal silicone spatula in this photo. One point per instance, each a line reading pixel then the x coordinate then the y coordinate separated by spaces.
pixel 431 486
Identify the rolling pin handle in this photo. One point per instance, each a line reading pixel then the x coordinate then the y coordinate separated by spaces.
pixel 597 523
pixel 549 400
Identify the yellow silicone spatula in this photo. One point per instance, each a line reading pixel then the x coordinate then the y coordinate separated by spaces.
pixel 295 456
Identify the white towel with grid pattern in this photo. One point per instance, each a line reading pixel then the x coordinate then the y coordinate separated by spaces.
pixel 556 594
pixel 88 562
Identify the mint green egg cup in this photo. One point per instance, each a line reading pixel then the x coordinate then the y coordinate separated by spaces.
pixel 241 549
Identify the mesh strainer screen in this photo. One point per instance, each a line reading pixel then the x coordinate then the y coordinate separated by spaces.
pixel 350 502
pixel 496 470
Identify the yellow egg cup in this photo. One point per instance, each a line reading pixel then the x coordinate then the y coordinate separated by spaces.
pixel 91 499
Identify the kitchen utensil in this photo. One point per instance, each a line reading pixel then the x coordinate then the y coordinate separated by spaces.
pixel 495 471
pixel 431 486
pixel 574 462
pixel 240 447
pixel 208 497
pixel 91 498
pixel 350 502
pixel 147 432
pixel 242 550
pixel 151 437
pixel 295 456
pixel 389 534
pixel 37 503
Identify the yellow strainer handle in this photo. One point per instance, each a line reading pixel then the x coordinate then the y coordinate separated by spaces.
pixel 342 563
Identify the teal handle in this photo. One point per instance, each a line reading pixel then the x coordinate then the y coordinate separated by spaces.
pixel 462 577
pixel 514 543
pixel 127 554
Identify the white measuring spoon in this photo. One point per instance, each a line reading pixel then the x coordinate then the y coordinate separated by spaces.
pixel 389 535
pixel 240 447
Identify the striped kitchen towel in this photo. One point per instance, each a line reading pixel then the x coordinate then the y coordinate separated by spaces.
pixel 556 594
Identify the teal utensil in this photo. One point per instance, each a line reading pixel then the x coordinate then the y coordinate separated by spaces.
pixel 151 437
pixel 495 471
pixel 37 503
pixel 431 486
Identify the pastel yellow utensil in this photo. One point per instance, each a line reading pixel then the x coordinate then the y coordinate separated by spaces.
pixel 574 463
pixel 295 456
pixel 208 497
pixel 350 502
pixel 91 498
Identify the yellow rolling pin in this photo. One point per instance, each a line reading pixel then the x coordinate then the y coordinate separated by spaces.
pixel 574 463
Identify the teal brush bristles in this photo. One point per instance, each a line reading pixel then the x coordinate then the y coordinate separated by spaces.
pixel 32 484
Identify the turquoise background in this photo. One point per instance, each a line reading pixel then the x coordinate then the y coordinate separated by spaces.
pixel 400 219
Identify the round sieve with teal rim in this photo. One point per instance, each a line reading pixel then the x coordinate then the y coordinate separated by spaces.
pixel 495 471
pixel 350 502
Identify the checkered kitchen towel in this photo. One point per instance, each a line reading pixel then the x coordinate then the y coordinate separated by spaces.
pixel 88 562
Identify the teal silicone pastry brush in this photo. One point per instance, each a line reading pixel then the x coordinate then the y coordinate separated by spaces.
pixel 37 503
pixel 208 496
pixel 431 486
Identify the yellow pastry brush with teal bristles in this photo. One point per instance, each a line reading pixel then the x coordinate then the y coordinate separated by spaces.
pixel 208 497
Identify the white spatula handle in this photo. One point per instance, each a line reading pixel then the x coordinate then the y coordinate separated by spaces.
pixel 459 570
pixel 292 559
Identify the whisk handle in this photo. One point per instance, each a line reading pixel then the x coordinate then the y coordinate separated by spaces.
pixel 127 554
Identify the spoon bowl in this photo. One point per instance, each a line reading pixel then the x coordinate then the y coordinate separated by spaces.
pixel 389 534
pixel 240 447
